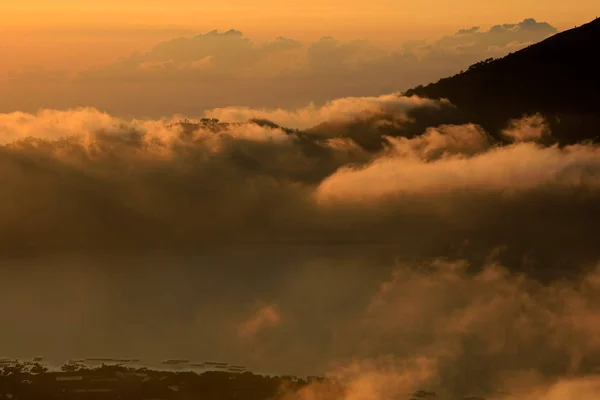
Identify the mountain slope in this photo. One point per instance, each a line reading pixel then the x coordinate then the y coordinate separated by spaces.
pixel 558 77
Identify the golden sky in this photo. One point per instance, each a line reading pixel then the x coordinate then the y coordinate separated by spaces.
pixel 76 34
pixel 289 16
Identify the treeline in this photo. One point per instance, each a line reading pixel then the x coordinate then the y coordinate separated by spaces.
pixel 34 381
pixel 215 125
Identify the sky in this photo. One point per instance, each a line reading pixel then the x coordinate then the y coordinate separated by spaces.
pixel 39 30
pixel 159 72
pixel 377 244
pixel 292 16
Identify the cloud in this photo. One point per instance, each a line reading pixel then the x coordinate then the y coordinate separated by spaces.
pixel 584 388
pixel 495 171
pixel 436 327
pixel 195 73
pixel 53 125
pixel 336 111
pixel 92 174
pixel 265 317
pixel 498 38
pixel 474 29
pixel 532 128
pixel 153 235
pixel 230 53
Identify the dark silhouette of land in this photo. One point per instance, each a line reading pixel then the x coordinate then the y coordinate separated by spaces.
pixel 27 380
pixel 558 78
pixel 33 381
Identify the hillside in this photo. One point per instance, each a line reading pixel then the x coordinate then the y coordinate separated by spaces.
pixel 558 77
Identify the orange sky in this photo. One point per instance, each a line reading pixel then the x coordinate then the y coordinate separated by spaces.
pixel 77 34
pixel 293 15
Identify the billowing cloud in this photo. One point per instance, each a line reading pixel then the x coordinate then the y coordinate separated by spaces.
pixel 336 111
pixel 435 327
pixel 390 266
pixel 494 171
pixel 154 182
pixel 532 128
pixel 235 53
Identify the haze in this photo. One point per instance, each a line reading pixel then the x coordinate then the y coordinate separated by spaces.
pixel 50 33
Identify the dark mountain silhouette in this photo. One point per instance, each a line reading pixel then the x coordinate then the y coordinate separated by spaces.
pixel 558 78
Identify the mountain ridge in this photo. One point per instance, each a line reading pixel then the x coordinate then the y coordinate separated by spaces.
pixel 558 78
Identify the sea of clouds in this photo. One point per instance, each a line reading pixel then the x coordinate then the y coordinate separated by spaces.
pixel 372 243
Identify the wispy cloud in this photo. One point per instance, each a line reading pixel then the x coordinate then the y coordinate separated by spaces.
pixel 265 317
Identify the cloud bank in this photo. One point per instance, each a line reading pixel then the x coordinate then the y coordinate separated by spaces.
pixel 98 182
pixel 383 247
pixel 337 111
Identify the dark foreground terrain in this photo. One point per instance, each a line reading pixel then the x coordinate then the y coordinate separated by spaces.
pixel 73 381
pixel 31 380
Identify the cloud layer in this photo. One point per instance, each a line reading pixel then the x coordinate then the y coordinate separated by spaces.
pixel 81 181
pixel 381 246
pixel 338 111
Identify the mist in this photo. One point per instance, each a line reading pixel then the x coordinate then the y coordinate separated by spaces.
pixel 360 245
